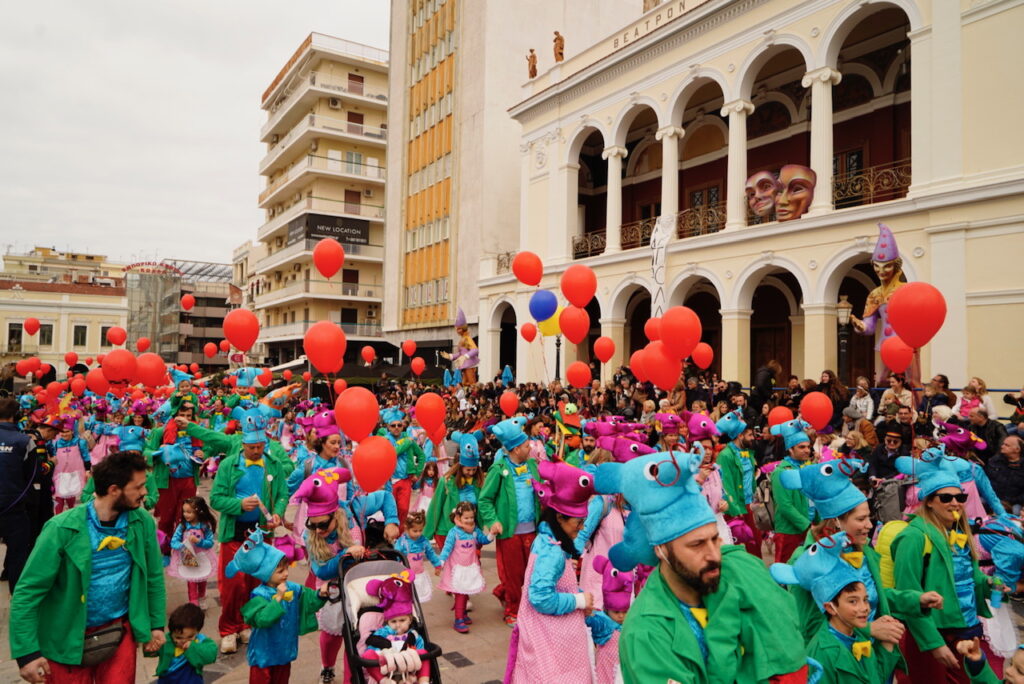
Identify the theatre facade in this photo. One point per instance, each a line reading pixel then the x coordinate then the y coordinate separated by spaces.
pixel 737 156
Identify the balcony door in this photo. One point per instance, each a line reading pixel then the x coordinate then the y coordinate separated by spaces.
pixel 350 281
pixel 353 200
pixel 355 84
pixel 355 123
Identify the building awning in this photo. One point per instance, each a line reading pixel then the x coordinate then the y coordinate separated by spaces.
pixel 301 361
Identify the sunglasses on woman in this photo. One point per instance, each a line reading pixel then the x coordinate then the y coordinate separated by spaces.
pixel 947 497
pixel 310 525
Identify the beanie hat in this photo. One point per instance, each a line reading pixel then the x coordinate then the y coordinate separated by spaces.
pixel 665 500
pixel 616 586
pixel 792 432
pixel 565 488
pixel 509 432
pixel 820 570
pixel 255 558
pixel 828 485
pixel 177 376
pixel 731 425
pixel 320 491
pixel 851 412
pixel 667 423
pixel 394 594
pixel 469 447
pixel 932 475
pixel 391 414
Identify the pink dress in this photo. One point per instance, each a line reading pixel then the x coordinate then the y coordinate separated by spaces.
pixel 609 533
pixel 68 473
pixel 713 492
pixel 608 660
pixel 423 495
pixel 461 574
pixel 549 648
pixel 104 443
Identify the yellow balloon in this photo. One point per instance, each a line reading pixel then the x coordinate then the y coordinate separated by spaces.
pixel 550 327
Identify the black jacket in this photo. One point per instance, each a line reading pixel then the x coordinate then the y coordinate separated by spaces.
pixel 993 433
pixel 1007 479
pixel 17 467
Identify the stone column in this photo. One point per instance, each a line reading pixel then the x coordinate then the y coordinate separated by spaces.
pixel 796 346
pixel 820 81
pixel 736 345
pixel 736 205
pixel 490 352
pixel 614 328
pixel 613 216
pixel 821 339
pixel 669 137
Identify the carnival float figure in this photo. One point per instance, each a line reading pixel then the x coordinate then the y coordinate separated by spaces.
pixel 466 357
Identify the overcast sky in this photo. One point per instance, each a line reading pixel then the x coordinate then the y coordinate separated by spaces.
pixel 132 128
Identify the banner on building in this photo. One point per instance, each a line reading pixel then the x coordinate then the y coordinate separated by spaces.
pixel 341 228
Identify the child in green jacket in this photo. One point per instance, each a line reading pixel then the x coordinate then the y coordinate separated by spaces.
pixel 978 668
pixel 186 652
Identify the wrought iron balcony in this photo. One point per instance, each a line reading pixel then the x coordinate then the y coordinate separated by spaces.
pixel 871 185
pixel 702 220
pixel 588 244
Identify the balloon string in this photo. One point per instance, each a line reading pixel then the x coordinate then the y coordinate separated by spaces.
pixel 544 359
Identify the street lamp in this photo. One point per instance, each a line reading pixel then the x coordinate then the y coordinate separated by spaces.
pixel 558 357
pixel 843 311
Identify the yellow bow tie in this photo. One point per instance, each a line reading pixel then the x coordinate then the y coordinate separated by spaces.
pixel 178 651
pixel 700 615
pixel 288 595
pixel 111 543
pixel 957 538
pixel 521 470
pixel 861 649
pixel 854 558
pixel 254 463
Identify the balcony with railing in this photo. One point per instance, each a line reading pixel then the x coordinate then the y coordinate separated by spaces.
pixel 700 220
pixel 588 245
pixel 315 85
pixel 317 125
pixel 321 289
pixel 320 205
pixel 637 233
pixel 304 249
pixel 874 184
pixel 274 333
pixel 321 166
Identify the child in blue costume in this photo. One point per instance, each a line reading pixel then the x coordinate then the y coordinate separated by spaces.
pixel 416 546
pixel 459 564
pixel 278 611
pixel 185 652
pixel 396 645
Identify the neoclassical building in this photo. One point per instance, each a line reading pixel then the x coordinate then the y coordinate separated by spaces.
pixel 905 110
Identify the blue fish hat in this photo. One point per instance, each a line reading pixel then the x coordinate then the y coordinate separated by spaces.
pixel 391 414
pixel 177 376
pixel 820 570
pixel 254 421
pixel 246 376
pixel 509 432
pixel 255 558
pixel 469 447
pixel 665 500
pixel 731 424
pixel 133 438
pixel 792 432
pixel 932 475
pixel 828 485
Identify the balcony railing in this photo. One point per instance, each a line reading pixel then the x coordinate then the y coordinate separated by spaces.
pixel 299 328
pixel 346 86
pixel 637 233
pixel 320 205
pixel 302 247
pixel 700 220
pixel 588 245
pixel 321 288
pixel 313 162
pixel 871 185
pixel 326 123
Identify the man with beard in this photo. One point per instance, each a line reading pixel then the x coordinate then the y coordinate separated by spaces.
pixel 95 572
pixel 580 457
pixel 708 612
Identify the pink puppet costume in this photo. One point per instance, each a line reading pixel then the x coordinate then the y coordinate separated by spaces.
pixel 550 641
pixel 603 528
pixel 605 625
pixel 397 646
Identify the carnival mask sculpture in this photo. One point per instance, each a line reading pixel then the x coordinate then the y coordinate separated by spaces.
pixel 796 191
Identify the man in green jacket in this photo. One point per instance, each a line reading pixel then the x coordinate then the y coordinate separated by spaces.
pixel 509 511
pixel 739 473
pixel 792 509
pixel 250 489
pixel 94 568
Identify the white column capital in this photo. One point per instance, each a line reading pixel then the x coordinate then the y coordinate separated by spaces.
pixel 737 107
pixel 614 151
pixel 570 166
pixel 669 132
pixel 736 314
pixel 819 309
pixel 822 75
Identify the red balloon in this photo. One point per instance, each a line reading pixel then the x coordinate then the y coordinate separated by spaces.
pixel 150 370
pixel 703 355
pixel 368 353
pixel 142 344
pixel 373 462
pixel 438 436
pixel 187 302
pixel 325 345
pixel 680 331
pixel 120 365
pixel 604 349
pixel 88 360
pixel 779 414
pixel 328 257
pixel 636 364
pixel 116 335
pixel 71 358
pixel 78 387
pixel 96 381
pixel 340 385
pixel 575 323
pixel 409 347
pixel 527 268
pixel 307 376
pixel 31 326
pixel 578 374
pixel 44 368
pixel 916 312
pixel 209 350
pixel 579 285
pixel 53 389
pixel 528 331
pixel 816 409
pixel 287 374
pixel 117 391
pixel 197 375
pixel 357 413
pixel 418 365
pixel 34 363
pixel 652 329
pixel 896 354
pixel 430 411
pixel 138 394
pixel 194 367
pixel 241 327
pixel 509 403
pixel 99 358
pixel 662 365
pixel 225 346
pixel 266 377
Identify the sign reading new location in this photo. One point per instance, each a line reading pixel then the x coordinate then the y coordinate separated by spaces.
pixel 341 228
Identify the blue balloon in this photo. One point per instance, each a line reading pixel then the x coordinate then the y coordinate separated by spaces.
pixel 543 305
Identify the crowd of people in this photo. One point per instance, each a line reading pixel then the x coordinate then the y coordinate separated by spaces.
pixel 632 529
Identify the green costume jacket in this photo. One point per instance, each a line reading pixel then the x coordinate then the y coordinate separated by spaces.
pixel 216 442
pixel 152 492
pixel 732 477
pixel 176 399
pixel 48 609
pixel 752 632
pixel 790 504
pixel 200 653
pixel 840 666
pixel 223 498
pixel 446 498
pixel 409 450
pixel 911 571
pixel 497 500
pixel 263 613
pixel 161 473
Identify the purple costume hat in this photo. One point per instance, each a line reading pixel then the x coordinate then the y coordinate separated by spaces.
pixel 320 491
pixel 565 488
pixel 885 248
pixel 667 423
pixel 394 594
pixel 616 585
pixel 460 318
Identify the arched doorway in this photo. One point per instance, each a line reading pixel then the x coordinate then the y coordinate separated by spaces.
pixel 704 301
pixel 775 304
pixel 638 311
pixel 704 158
pixel 508 339
pixel 591 195
pixel 641 186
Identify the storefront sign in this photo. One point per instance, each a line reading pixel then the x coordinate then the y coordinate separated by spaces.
pixel 665 12
pixel 156 267
pixel 341 228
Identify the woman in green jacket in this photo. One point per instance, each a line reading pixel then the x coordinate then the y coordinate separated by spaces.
pixel 935 552
pixel 461 483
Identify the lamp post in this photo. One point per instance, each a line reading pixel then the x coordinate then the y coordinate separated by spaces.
pixel 558 357
pixel 843 311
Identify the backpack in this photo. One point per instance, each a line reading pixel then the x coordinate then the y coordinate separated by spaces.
pixel 883 545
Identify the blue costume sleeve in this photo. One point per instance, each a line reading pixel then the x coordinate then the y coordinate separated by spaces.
pixel 547 568
pixel 481 538
pixel 176 539
pixel 428 550
pixel 601 627
pixel 595 514
pixel 207 542
pixel 328 570
pixel 988 495
pixel 1008 558
pixel 83 447
pixel 449 545
pixel 295 478
pixel 389 508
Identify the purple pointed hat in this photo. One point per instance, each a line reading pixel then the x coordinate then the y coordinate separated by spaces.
pixel 885 248
pixel 460 318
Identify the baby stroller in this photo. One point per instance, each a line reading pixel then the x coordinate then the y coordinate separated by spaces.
pixel 359 609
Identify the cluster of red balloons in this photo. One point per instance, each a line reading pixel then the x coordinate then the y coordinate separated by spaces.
pixel 673 337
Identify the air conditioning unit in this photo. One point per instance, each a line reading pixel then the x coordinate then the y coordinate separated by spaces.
pixel 313 145
pixel 371 313
pixel 368 192
pixel 334 103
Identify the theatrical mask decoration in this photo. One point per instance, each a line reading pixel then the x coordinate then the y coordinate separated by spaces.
pixel 784 196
